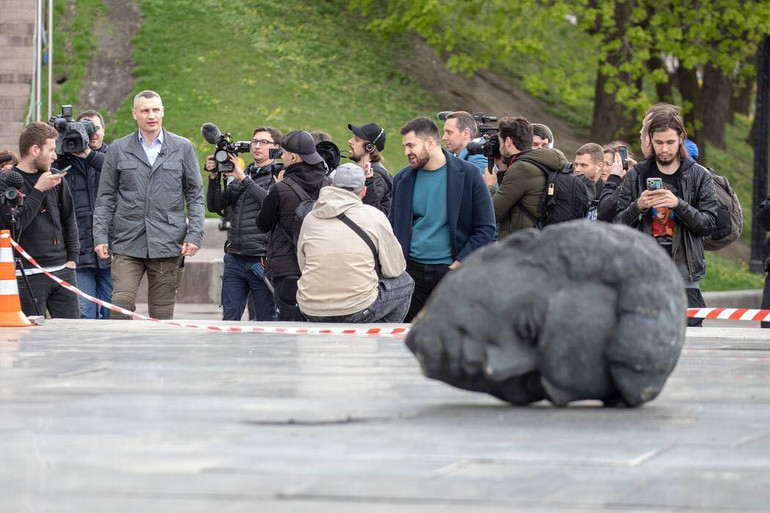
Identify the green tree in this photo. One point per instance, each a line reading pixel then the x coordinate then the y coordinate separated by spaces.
pixel 635 43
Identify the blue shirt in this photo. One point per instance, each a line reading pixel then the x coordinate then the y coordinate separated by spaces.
pixel 153 149
pixel 431 242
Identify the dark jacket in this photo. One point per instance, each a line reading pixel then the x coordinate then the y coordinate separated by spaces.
pixel 471 216
pixel 83 181
pixel 244 199
pixel 522 186
pixel 49 231
pixel 277 217
pixel 696 213
pixel 608 200
pixel 378 188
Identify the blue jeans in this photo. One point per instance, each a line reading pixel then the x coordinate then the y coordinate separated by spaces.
pixel 238 280
pixel 391 304
pixel 97 283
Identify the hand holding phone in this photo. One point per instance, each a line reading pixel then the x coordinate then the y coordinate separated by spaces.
pixel 653 184
pixel 623 151
pixel 55 171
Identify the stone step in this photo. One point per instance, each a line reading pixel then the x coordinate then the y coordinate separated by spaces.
pixel 19 13
pixel 15 77
pixel 15 89
pixel 17 27
pixel 14 40
pixel 12 102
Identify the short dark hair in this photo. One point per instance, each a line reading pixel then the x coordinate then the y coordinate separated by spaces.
pixel 519 130
pixel 464 120
pixel 35 134
pixel 146 94
pixel 665 120
pixel 274 133
pixel 542 131
pixel 90 114
pixel 593 150
pixel 422 128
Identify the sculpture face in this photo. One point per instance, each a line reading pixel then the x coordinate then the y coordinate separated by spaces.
pixel 578 311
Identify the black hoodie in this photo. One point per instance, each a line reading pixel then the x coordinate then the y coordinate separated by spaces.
pixel 277 216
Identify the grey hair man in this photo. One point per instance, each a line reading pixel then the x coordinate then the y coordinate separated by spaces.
pixel 147 179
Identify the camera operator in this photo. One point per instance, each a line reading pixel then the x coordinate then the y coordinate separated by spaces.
pixel 83 179
pixel 460 128
pixel 46 225
pixel 96 142
pixel 246 246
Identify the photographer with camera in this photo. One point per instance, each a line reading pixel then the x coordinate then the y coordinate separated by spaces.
pixel 83 179
pixel 521 184
pixel 147 178
pixel 302 179
pixel 460 128
pixel 96 142
pixel 246 247
pixel 46 226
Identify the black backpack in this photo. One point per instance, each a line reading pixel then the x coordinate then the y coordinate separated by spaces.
pixel 565 196
pixel 729 225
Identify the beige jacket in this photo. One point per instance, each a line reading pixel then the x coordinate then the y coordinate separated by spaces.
pixel 338 275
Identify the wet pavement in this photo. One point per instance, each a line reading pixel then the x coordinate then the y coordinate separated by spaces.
pixel 128 416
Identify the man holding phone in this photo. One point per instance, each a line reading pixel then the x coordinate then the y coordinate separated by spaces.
pixel 672 198
pixel 246 245
pixel 46 226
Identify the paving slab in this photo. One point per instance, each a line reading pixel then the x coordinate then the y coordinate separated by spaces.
pixel 127 416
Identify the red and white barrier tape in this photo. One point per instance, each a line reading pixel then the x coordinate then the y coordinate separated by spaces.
pixel 734 314
pixel 299 330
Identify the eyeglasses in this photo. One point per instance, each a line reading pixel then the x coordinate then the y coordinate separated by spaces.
pixel 262 142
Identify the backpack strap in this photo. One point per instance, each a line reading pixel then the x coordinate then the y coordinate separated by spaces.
pixel 298 190
pixel 361 233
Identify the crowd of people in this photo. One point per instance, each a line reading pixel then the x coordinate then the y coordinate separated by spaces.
pixel 312 240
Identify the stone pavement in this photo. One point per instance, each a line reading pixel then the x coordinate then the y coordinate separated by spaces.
pixel 128 416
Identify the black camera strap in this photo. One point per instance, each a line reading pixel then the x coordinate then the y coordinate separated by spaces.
pixel 361 233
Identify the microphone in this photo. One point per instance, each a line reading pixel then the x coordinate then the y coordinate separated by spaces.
pixel 13 179
pixel 443 114
pixel 211 133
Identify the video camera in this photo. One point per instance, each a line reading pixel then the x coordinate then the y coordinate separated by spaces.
pixel 73 135
pixel 225 146
pixel 488 143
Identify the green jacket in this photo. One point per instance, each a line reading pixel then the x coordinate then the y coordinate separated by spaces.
pixel 522 185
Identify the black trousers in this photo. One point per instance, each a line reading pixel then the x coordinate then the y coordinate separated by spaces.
pixel 60 302
pixel 286 299
pixel 426 277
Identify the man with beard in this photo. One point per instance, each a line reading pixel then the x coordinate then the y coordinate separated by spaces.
pixel 365 147
pixel 672 198
pixel 47 227
pixel 441 210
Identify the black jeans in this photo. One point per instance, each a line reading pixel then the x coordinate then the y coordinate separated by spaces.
pixel 286 298
pixel 426 277
pixel 60 302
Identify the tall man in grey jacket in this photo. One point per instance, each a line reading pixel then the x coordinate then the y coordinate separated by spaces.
pixel 147 178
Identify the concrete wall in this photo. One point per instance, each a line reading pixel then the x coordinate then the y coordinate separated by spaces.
pixel 17 24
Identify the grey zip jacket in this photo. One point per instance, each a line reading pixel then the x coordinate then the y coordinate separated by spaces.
pixel 147 203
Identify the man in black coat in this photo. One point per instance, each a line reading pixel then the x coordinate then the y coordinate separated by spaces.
pixel 246 246
pixel 304 171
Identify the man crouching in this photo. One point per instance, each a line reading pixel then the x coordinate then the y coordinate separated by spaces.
pixel 353 269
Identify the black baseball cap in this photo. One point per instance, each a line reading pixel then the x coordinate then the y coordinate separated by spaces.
pixel 301 143
pixel 371 132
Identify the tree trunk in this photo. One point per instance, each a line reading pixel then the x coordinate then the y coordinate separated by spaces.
pixel 715 94
pixel 740 103
pixel 688 87
pixel 664 91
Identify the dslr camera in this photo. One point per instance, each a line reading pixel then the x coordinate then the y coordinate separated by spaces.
pixel 73 135
pixel 488 143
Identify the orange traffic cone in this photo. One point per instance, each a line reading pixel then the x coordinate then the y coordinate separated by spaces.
pixel 10 306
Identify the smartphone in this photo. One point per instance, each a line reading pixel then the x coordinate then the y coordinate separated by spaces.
pixel 654 184
pixel 55 171
pixel 623 151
